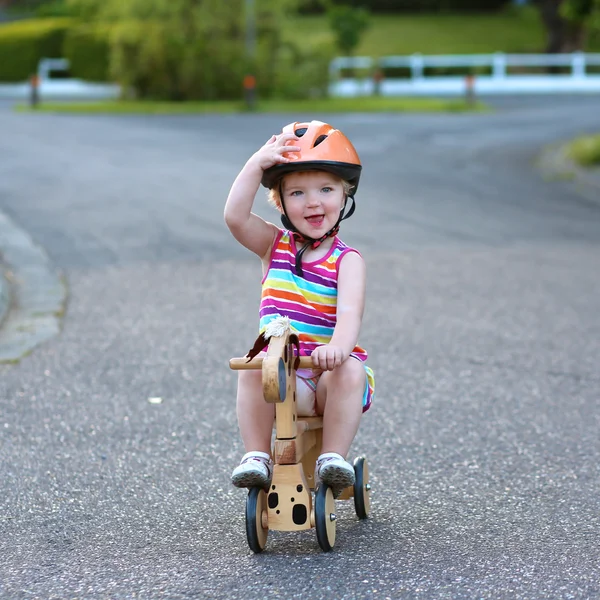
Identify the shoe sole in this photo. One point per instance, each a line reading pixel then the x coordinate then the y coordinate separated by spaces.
pixel 336 477
pixel 248 480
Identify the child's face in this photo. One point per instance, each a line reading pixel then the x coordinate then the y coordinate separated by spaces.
pixel 313 201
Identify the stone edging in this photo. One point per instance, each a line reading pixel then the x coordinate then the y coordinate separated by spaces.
pixel 4 292
pixel 36 294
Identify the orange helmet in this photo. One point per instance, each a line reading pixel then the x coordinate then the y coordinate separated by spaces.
pixel 323 148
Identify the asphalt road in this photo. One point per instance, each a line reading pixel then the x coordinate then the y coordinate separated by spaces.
pixel 483 328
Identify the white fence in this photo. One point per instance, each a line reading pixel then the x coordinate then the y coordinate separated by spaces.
pixel 490 74
pixel 53 89
pixel 449 74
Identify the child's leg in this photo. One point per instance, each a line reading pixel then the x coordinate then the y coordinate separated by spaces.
pixel 339 399
pixel 255 415
pixel 255 420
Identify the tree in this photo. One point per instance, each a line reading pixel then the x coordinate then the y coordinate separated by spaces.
pixel 567 23
pixel 348 24
pixel 186 49
pixel 585 12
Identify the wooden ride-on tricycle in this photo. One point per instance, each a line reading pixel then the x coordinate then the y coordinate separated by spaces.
pixel 288 504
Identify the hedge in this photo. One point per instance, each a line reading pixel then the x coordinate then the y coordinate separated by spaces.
pixel 87 49
pixel 23 43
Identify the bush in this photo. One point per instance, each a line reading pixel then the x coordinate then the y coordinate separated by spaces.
pixel 155 60
pixel 161 59
pixel 585 150
pixel 55 8
pixel 300 71
pixel 87 47
pixel 24 43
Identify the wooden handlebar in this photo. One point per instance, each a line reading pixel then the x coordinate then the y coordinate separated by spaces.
pixel 238 364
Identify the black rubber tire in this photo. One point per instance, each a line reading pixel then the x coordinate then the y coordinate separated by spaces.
pixel 362 503
pixel 256 503
pixel 325 526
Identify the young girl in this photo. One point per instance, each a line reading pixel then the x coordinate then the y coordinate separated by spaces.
pixel 312 277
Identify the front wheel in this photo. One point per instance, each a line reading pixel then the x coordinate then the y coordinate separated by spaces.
pixel 256 513
pixel 325 517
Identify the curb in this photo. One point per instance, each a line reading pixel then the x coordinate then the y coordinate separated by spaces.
pixel 33 294
pixel 4 292
pixel 556 164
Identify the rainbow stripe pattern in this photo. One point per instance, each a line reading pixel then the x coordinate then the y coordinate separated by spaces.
pixel 309 300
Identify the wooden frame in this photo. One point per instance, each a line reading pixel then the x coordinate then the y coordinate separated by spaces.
pixel 297 443
pixel 288 504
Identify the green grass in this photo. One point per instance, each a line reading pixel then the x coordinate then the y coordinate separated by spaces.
pixel 513 30
pixel 585 150
pixel 394 34
pixel 333 105
pixel 145 107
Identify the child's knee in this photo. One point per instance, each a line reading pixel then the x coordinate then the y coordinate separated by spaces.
pixel 250 379
pixel 351 372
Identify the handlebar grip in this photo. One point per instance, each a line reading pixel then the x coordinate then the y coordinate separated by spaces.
pixel 242 364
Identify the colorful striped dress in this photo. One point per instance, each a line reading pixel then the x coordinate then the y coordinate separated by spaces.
pixel 309 300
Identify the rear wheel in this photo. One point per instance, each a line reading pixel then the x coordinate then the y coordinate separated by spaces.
pixel 325 517
pixel 362 488
pixel 256 519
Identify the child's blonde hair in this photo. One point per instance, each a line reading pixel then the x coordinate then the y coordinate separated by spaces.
pixel 274 197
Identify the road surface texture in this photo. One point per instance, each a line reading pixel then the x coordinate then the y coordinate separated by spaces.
pixel 482 324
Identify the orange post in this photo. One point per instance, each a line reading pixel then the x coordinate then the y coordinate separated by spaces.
pixel 34 92
pixel 250 91
pixel 470 90
pixel 377 79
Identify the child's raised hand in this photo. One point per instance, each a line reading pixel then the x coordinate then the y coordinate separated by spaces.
pixel 327 357
pixel 272 153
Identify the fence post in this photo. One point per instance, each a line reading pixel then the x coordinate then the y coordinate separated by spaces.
pixel 377 79
pixel 578 64
pixel 416 65
pixel 250 91
pixel 470 90
pixel 499 65
pixel 334 69
pixel 34 90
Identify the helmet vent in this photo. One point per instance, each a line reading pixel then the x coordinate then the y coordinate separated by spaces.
pixel 301 131
pixel 319 140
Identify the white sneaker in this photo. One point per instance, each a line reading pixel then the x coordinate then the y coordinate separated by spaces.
pixel 337 473
pixel 255 470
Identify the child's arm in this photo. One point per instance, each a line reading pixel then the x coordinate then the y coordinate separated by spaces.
pixel 249 229
pixel 350 308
